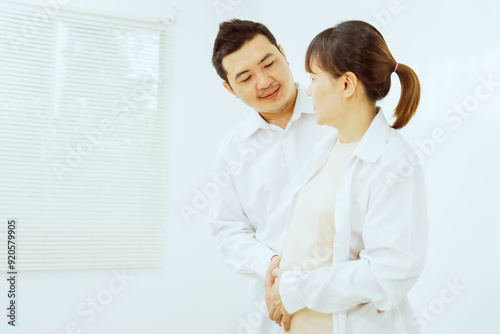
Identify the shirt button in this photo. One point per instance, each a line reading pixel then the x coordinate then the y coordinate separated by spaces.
pixel 292 165
pixel 285 134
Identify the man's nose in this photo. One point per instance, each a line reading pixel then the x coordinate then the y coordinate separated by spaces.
pixel 263 81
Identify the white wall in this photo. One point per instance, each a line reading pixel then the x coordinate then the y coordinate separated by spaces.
pixel 451 46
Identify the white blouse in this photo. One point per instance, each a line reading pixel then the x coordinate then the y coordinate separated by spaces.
pixel 309 243
pixel 380 214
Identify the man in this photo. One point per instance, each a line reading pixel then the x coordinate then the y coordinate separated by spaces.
pixel 268 156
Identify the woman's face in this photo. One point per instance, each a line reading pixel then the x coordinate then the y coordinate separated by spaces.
pixel 327 96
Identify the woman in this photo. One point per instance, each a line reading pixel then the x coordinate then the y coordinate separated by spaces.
pixel 358 233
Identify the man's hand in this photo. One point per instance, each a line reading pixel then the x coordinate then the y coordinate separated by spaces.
pixel 269 280
pixel 277 311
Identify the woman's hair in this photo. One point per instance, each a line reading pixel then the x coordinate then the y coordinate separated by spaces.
pixel 357 47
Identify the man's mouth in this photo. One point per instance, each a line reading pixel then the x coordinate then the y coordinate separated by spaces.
pixel 272 95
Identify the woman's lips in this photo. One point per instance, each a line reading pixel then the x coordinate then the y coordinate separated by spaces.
pixel 273 95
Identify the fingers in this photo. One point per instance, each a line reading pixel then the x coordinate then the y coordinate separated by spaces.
pixel 277 272
pixel 270 279
pixel 268 301
pixel 287 319
pixel 274 263
pixel 268 284
pixel 272 309
pixel 279 320
pixel 367 303
pixel 277 317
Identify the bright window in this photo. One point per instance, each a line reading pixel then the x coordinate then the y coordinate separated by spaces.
pixel 83 138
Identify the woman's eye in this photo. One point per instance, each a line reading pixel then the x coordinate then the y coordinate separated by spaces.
pixel 270 64
pixel 246 79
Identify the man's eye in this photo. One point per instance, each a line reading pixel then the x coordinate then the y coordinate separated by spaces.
pixel 246 79
pixel 270 64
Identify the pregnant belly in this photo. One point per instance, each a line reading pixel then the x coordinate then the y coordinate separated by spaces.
pixel 307 321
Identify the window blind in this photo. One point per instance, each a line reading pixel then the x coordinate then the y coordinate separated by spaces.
pixel 83 138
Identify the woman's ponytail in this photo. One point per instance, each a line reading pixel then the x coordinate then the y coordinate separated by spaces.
pixel 410 96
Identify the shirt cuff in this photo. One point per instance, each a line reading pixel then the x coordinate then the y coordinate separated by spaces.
pixel 262 262
pixel 291 296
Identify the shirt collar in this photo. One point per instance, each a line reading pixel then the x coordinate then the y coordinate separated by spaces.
pixel 302 105
pixel 373 142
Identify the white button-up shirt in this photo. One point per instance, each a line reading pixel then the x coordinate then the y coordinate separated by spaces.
pixel 264 164
pixel 380 214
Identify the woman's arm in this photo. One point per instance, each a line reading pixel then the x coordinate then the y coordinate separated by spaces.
pixel 395 240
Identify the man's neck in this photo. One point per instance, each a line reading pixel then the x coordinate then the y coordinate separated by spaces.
pixel 281 117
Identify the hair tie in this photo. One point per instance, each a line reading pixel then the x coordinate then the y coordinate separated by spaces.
pixel 396 67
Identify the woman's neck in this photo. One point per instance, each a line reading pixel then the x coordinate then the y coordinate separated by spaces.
pixel 359 120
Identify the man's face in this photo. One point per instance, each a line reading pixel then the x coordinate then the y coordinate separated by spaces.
pixel 260 76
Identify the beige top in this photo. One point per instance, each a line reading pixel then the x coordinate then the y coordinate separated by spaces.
pixel 309 243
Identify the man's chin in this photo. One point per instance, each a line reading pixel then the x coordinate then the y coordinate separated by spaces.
pixel 277 108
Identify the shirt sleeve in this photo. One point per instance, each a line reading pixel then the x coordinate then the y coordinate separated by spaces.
pixel 395 240
pixel 233 232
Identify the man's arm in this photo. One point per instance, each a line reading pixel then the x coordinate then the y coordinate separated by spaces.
pixel 233 231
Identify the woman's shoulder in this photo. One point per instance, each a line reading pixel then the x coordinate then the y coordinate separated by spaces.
pixel 397 147
pixel 399 159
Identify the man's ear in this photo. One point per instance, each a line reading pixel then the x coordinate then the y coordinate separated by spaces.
pixel 283 53
pixel 228 87
pixel 350 81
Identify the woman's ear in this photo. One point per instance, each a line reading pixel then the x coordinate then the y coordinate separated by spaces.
pixel 350 81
